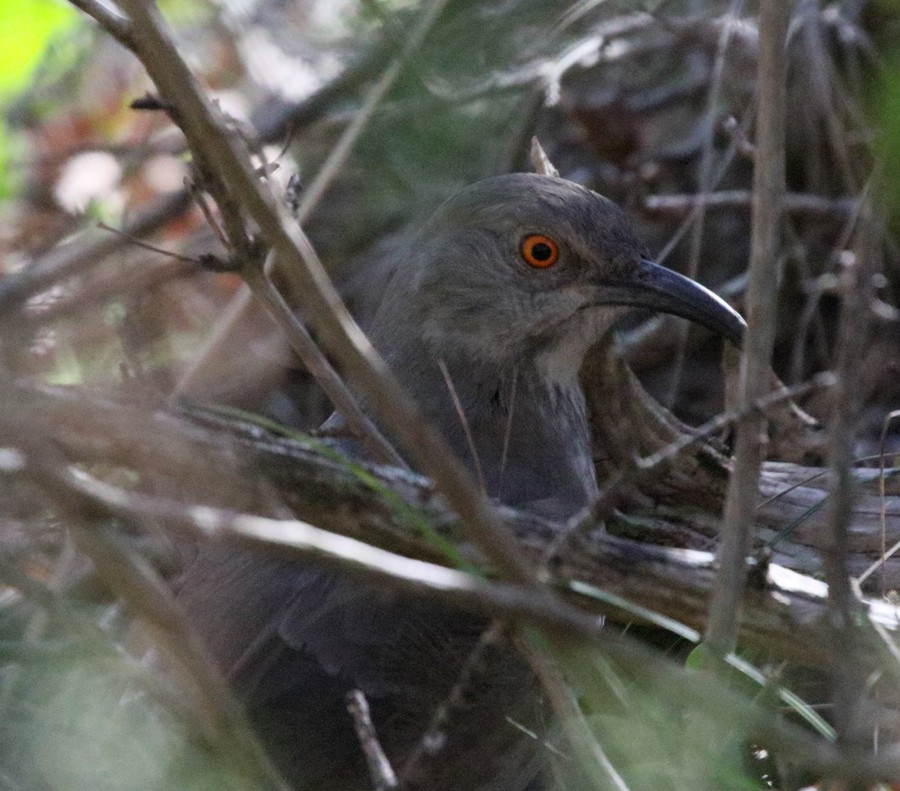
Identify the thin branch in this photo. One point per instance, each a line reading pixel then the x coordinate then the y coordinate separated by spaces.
pixel 429 747
pixel 381 773
pixel 223 331
pixel 317 364
pixel 768 189
pixel 327 313
pixel 85 252
pixel 723 420
pixel 678 205
pixel 338 156
pixel 844 605
pixel 147 246
pixel 464 423
pixel 114 24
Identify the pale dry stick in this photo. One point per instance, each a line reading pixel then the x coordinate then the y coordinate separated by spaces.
pixel 885 553
pixel 317 364
pixel 236 309
pixel 794 203
pixel 704 183
pixel 300 539
pixel 203 126
pixel 540 162
pixel 768 189
pixel 381 773
pixel 464 423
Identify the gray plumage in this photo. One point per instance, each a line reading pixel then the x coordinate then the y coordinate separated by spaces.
pixel 510 337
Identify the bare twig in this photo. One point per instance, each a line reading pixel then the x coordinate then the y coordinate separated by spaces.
pixel 114 24
pixel 317 364
pixel 768 189
pixel 464 423
pixel 147 246
pixel 844 605
pixel 381 773
pixel 85 252
pixel 429 747
pixel 794 203
pixel 760 406
pixel 704 179
pixel 311 195
pixel 302 539
pixel 399 413
pixel 203 204
pixel 341 151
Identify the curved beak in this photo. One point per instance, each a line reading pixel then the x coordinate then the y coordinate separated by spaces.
pixel 654 287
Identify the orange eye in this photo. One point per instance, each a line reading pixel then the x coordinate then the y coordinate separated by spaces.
pixel 539 251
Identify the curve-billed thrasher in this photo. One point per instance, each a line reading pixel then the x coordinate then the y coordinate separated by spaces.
pixel 493 306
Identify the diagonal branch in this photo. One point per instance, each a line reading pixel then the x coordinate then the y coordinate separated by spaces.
pixel 205 130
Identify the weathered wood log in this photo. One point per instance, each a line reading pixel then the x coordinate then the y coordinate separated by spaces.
pixel 204 457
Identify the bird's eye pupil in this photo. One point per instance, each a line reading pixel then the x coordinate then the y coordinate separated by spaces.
pixel 541 251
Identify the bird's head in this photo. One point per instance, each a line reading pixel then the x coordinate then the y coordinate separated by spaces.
pixel 522 264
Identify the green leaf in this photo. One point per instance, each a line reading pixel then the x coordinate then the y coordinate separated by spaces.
pixel 28 26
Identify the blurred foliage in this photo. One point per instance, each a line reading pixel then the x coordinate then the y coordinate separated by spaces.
pixel 27 28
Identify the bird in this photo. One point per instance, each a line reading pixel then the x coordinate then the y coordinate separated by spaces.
pixel 486 320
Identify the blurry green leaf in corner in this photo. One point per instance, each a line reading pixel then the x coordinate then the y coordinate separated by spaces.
pixel 26 27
